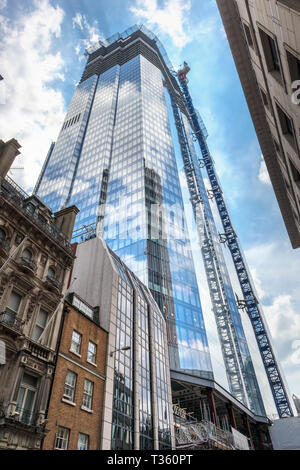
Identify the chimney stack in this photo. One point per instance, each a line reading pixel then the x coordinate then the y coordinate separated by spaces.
pixel 8 153
pixel 65 220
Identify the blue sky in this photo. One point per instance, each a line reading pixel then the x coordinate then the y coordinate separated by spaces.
pixel 42 59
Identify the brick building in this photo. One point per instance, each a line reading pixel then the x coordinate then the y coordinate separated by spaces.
pixel 75 411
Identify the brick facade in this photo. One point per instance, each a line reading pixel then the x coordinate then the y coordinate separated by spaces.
pixel 71 415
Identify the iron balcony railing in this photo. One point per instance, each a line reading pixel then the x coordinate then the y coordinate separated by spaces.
pixel 17 196
pixel 19 415
pixel 25 416
pixel 54 282
pixel 10 319
pixel 28 263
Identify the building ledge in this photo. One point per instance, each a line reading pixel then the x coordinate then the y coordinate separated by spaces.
pixel 92 363
pixel 75 353
pixel 69 402
pixel 84 408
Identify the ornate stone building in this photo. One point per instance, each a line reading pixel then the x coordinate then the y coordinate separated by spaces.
pixel 35 259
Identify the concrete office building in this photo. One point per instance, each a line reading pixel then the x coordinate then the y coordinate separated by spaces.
pixel 264 36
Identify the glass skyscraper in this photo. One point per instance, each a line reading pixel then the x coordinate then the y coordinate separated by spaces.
pixel 115 160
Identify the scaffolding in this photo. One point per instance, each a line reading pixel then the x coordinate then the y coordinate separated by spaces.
pixel 211 264
pixel 229 236
pixel 205 435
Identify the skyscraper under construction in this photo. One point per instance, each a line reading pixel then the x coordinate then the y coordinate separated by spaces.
pixel 130 123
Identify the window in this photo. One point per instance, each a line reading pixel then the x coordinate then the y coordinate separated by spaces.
pixel 274 54
pixel 92 352
pixel 27 255
pixel 14 302
pixel 83 441
pixel 76 342
pixel 87 398
pixel 2 236
pixel 40 324
pixel 286 125
pixel 295 174
pixel 70 384
pixel 62 438
pixel 30 208
pixel 294 66
pixel 248 35
pixel 271 54
pixel 51 273
pixel 26 398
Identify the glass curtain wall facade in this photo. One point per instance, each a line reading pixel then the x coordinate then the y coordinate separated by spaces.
pixel 126 178
pixel 58 175
pixel 142 381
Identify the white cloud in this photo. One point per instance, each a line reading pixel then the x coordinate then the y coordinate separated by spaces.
pixel 263 174
pixel 33 111
pixel 277 274
pixel 171 18
pixel 77 21
pixel 283 320
pixel 257 283
pixel 295 356
pixel 77 49
pixel 3 4
pixel 92 32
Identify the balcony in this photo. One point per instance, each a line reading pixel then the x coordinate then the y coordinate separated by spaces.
pixel 24 416
pixel 15 415
pixel 9 319
pixel 12 192
pixel 38 350
pixel 53 284
pixel 28 266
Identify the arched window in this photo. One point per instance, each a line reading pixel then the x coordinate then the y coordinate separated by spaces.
pixel 27 255
pixel 2 235
pixel 51 273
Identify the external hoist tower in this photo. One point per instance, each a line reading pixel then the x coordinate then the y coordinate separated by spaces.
pixel 238 365
pixel 250 302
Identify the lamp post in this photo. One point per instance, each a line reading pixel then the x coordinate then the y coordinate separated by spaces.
pixel 125 348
